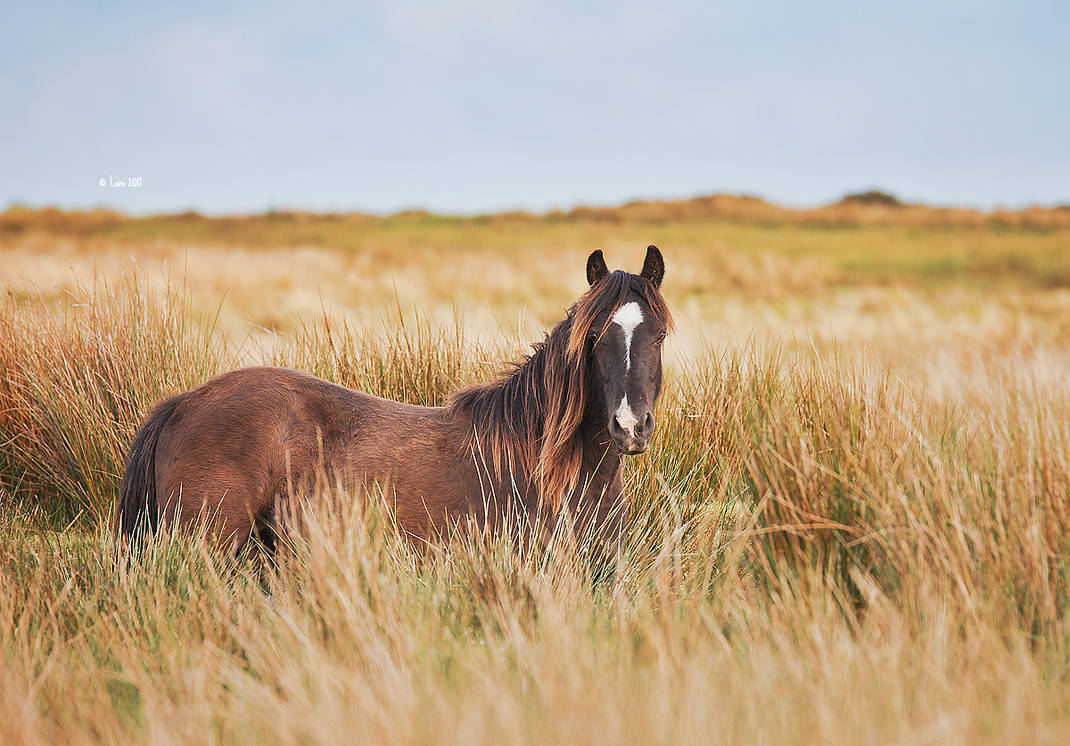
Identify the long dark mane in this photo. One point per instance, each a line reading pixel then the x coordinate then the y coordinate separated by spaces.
pixel 528 421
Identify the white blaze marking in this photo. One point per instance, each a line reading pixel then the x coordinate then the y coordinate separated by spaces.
pixel 628 317
pixel 625 417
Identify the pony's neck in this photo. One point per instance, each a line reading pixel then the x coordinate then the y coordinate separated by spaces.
pixel 505 420
pixel 510 420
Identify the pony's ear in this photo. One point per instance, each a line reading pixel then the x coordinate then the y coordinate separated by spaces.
pixel 596 267
pixel 653 266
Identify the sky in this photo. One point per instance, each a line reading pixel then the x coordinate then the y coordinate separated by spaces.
pixel 468 106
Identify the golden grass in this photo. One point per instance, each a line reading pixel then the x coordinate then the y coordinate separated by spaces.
pixel 852 526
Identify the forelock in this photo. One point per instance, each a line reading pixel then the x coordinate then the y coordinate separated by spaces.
pixel 608 295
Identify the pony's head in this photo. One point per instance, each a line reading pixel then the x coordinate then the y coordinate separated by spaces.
pixel 600 365
pixel 619 326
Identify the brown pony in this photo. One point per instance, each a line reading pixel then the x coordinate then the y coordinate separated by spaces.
pixel 547 436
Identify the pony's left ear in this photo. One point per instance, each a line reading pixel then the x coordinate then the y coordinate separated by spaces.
pixel 653 266
pixel 596 267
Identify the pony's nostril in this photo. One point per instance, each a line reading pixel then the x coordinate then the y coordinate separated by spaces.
pixel 648 424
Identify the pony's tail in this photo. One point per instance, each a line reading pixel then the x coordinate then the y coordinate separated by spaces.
pixel 139 510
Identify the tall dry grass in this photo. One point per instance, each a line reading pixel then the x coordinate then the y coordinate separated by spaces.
pixel 821 548
pixel 73 387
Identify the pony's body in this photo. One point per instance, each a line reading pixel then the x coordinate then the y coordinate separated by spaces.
pixel 543 437
pixel 236 448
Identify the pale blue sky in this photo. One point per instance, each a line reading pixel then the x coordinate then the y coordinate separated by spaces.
pixel 473 105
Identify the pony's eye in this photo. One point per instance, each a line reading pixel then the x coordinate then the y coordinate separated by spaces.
pixel 660 338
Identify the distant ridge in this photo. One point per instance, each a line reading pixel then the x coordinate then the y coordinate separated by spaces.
pixel 871 197
pixel 871 207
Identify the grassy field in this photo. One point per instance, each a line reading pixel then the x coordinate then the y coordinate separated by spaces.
pixel 852 526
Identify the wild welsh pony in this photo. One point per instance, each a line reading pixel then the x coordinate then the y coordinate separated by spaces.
pixel 549 435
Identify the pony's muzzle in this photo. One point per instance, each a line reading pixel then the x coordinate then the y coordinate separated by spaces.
pixel 630 433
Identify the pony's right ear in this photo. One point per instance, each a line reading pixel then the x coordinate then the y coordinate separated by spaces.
pixel 596 267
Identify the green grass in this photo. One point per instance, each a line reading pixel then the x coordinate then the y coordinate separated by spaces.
pixel 855 254
pixel 857 248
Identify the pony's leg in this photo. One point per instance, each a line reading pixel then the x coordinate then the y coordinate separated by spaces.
pixel 227 516
pixel 265 531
